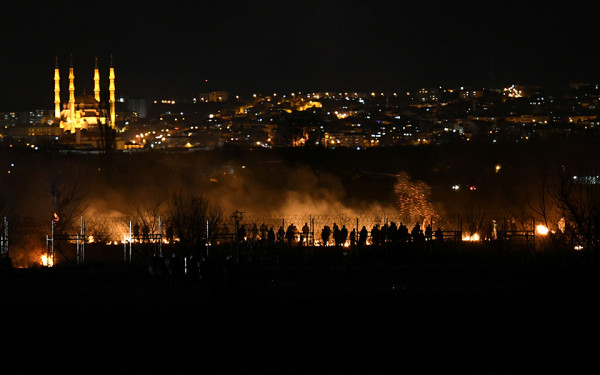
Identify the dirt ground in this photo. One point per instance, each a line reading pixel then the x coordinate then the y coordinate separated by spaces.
pixel 334 318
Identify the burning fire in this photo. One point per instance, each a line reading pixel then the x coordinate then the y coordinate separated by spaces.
pixel 473 237
pixel 542 229
pixel 47 261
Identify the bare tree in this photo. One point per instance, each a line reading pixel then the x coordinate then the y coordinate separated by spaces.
pixel 189 215
pixel 578 198
pixel 69 192
pixel 539 199
pixel 147 213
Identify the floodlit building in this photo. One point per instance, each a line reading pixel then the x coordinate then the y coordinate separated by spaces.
pixel 84 111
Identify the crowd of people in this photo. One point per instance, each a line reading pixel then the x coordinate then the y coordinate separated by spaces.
pixel 338 235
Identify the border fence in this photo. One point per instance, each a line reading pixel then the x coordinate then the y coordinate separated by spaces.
pixel 254 230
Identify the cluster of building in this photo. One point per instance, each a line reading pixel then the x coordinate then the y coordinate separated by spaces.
pixel 305 119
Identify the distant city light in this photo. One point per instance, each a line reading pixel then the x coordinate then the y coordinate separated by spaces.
pixel 513 92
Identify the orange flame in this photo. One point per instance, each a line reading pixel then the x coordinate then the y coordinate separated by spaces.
pixel 47 261
pixel 473 237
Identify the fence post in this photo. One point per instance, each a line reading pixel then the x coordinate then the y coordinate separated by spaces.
pixel 533 232
pixel 52 242
pixel 206 242
pixel 81 242
pixel 160 232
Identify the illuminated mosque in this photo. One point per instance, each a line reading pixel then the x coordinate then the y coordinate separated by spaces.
pixel 85 111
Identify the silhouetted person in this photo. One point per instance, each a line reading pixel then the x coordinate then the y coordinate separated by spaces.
pixel 392 233
pixel 439 235
pixel 264 230
pixel 343 235
pixel 362 236
pixel 271 236
pixel 428 233
pixel 289 234
pixel 414 233
pixel 254 232
pixel 403 235
pixel 295 231
pixel 375 235
pixel 384 233
pixel 353 237
pixel 280 234
pixel 305 231
pixel 273 251
pixel 336 235
pixel 325 234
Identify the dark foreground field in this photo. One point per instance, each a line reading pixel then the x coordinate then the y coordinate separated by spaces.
pixel 310 319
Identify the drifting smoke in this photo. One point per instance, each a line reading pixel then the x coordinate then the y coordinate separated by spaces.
pixel 293 193
pixel 266 189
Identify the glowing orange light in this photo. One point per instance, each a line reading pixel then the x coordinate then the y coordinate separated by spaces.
pixel 47 261
pixel 473 237
pixel 542 229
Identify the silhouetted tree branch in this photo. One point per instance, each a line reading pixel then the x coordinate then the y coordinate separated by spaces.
pixel 189 214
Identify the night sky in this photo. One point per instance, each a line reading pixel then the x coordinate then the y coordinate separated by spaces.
pixel 172 49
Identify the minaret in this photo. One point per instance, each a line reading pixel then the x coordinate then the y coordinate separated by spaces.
pixel 71 93
pixel 111 91
pixel 56 91
pixel 96 82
